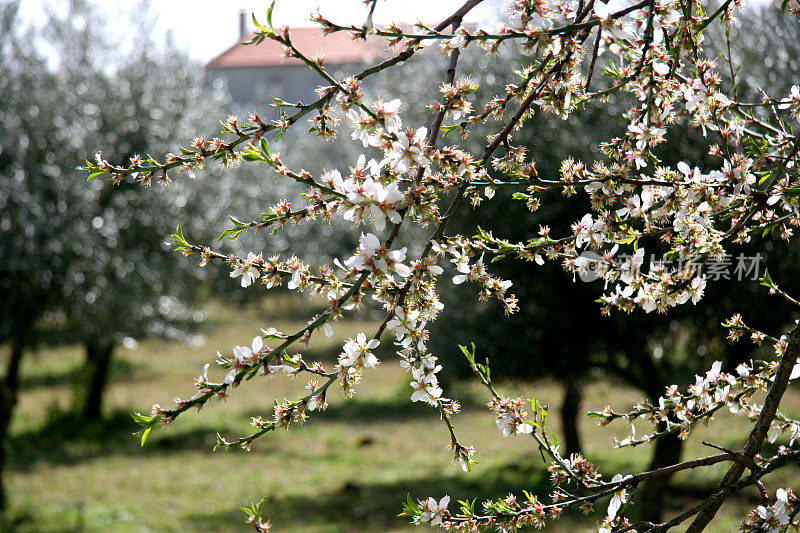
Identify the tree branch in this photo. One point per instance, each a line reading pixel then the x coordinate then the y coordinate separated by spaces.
pixel 758 433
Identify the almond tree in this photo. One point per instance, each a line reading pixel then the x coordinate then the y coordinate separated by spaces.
pixel 638 203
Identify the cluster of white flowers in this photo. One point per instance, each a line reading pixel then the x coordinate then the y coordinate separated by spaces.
pixel 374 257
pixel 425 384
pixel 355 358
pixel 366 195
pixel 684 411
pixel 242 356
pixel 433 511
pixel 408 151
pixel 247 269
pixel 357 353
pixel 368 130
pixel 410 333
pixel 773 518
pixel 589 232
pixel 510 416
pixel 617 500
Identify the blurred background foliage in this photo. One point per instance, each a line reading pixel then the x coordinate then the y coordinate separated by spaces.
pixel 85 263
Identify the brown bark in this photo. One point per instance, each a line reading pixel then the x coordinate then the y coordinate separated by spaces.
pixel 98 362
pixel 570 414
pixel 9 387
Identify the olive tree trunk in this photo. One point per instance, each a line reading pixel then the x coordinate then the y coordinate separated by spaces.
pixel 98 362
pixel 570 415
pixel 652 496
pixel 9 387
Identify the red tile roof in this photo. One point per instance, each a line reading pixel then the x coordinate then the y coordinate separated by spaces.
pixel 337 48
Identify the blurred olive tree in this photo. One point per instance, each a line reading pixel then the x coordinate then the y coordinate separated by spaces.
pixel 84 262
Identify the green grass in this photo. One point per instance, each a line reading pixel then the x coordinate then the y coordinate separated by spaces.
pixel 348 469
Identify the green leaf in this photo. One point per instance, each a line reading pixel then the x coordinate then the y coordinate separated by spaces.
pixel 258 24
pixel 238 227
pixel 766 280
pixel 470 355
pixel 178 240
pixel 95 174
pixel 468 507
pixel 261 503
pixel 447 129
pixel 410 507
pixel 146 434
pixel 534 404
pixel 148 422
pixel 269 16
pixel 230 234
pixel 255 509
pixel 143 420
pixel 279 102
pixel 251 155
pixel 220 443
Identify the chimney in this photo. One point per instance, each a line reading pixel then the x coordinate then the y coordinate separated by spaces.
pixel 243 33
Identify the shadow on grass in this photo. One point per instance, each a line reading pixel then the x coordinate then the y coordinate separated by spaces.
pixel 399 408
pixel 359 506
pixel 27 519
pixel 17 520
pixel 67 439
pixel 121 370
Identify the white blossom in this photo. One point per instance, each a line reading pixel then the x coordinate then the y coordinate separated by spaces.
pixel 432 511
pixel 247 270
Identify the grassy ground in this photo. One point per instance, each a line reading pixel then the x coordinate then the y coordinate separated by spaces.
pixel 349 469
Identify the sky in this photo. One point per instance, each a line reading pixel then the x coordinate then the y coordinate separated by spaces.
pixel 206 28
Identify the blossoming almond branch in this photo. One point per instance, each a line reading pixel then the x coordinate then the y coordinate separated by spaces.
pixel 655 50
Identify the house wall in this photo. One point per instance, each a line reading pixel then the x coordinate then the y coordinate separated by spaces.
pixel 256 85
